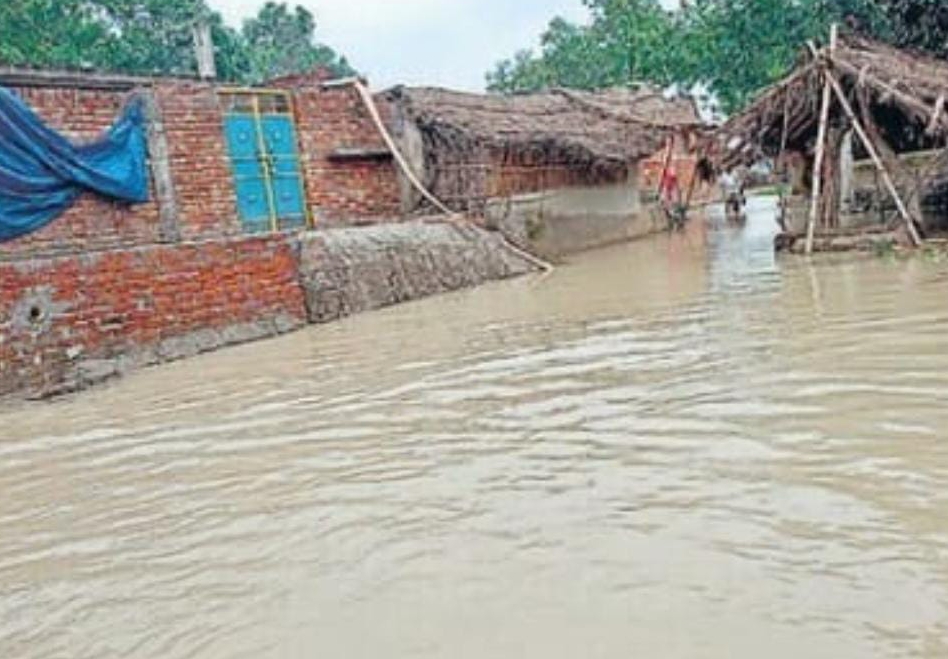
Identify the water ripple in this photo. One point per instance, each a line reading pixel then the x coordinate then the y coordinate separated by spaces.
pixel 681 446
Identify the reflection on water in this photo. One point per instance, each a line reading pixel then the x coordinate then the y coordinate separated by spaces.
pixel 677 448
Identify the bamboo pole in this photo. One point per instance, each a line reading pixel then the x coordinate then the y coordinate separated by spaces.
pixel 820 142
pixel 406 168
pixel 692 185
pixel 818 164
pixel 876 159
pixel 900 175
pixel 666 162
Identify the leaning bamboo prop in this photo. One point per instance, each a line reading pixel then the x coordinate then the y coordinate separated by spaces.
pixel 832 85
pixel 876 159
pixel 403 164
pixel 900 176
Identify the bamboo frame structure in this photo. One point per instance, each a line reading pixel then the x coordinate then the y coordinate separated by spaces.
pixel 876 159
pixel 851 83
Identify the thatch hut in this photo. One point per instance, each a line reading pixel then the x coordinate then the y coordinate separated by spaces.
pixel 578 153
pixel 855 105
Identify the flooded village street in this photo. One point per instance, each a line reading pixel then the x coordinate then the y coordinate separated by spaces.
pixel 679 447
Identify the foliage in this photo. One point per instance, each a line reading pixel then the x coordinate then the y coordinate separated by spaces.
pixel 918 23
pixel 737 47
pixel 155 37
pixel 281 41
pixel 568 59
pixel 48 32
pixel 626 41
pixel 731 48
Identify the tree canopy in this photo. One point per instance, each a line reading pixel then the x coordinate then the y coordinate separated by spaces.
pixel 280 41
pixel 731 48
pixel 155 37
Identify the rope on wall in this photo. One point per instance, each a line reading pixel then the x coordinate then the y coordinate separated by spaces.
pixel 369 103
pixel 404 165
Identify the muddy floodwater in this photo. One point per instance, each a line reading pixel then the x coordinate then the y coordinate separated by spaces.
pixel 683 447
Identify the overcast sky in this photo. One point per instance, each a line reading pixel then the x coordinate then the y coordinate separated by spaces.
pixel 451 43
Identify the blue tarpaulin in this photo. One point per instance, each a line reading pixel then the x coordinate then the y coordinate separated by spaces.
pixel 42 173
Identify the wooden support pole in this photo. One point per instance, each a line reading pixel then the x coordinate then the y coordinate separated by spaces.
pixel 900 175
pixel 830 206
pixel 692 184
pixel 876 159
pixel 820 141
pixel 818 164
pixel 666 162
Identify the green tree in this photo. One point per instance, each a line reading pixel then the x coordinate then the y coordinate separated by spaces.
pixel 626 41
pixel 736 47
pixel 281 41
pixel 154 37
pixel 919 24
pixel 149 36
pixel 571 56
pixel 50 33
pixel 639 39
pixel 732 48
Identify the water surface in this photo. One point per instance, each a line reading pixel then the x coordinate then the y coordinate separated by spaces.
pixel 676 448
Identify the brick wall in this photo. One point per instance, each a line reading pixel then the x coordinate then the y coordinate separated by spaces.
pixel 342 191
pixel 93 222
pixel 200 165
pixel 522 174
pixel 148 304
pixel 684 163
pixel 467 182
pixel 98 285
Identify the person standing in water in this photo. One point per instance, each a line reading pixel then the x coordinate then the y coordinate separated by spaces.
pixel 732 191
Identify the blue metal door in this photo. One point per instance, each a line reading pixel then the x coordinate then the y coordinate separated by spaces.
pixel 279 137
pixel 261 141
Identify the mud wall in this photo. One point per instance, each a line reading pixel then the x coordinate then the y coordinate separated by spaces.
pixel 347 271
pixel 560 222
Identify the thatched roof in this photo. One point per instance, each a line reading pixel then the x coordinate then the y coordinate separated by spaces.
pixel 616 126
pixel 904 92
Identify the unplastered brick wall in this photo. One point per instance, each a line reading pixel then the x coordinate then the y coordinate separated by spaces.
pixel 108 284
pixel 466 181
pixel 200 165
pixel 524 173
pixel 93 222
pixel 684 164
pixel 60 315
pixel 332 120
pixel 204 198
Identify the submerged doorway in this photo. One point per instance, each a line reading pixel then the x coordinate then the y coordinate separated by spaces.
pixel 261 142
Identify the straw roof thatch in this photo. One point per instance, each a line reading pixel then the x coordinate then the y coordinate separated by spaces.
pixel 902 92
pixel 608 128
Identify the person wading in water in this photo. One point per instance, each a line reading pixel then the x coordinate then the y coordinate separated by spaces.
pixel 732 190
